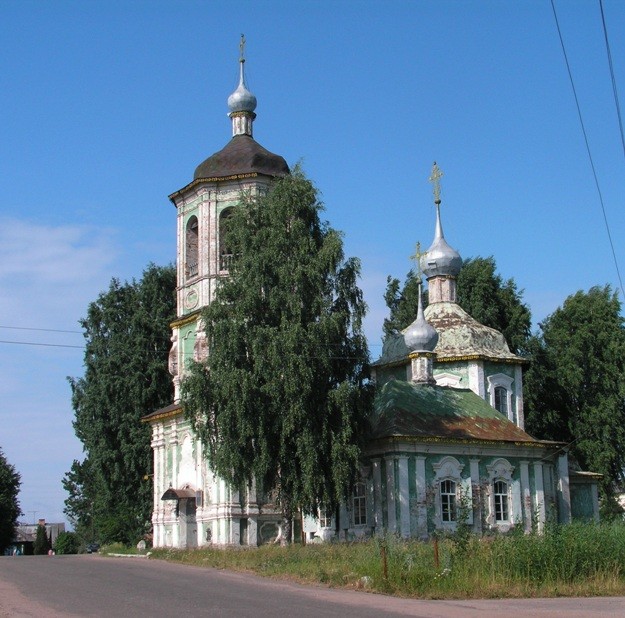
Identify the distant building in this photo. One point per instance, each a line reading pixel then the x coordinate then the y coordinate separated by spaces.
pixel 448 443
pixel 26 534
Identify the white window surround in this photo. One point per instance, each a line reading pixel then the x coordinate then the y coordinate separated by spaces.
pixel 448 379
pixel 504 381
pixel 450 469
pixel 500 470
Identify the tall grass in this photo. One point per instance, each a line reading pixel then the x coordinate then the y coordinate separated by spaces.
pixel 577 559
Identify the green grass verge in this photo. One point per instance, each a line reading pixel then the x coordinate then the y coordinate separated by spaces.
pixel 573 560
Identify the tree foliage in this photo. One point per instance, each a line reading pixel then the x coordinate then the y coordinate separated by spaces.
pixel 402 303
pixel 42 542
pixel 282 398
pixel 127 337
pixel 9 503
pixel 482 293
pixel 67 543
pixel 494 302
pixel 575 390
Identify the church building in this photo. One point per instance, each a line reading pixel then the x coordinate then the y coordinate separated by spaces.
pixel 448 445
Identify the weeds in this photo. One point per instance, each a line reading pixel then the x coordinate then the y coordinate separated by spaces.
pixel 577 559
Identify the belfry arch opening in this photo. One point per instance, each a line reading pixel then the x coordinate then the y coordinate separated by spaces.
pixel 225 252
pixel 191 247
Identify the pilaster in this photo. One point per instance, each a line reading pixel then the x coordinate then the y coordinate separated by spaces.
pixel 518 385
pixel 422 520
pixel 377 497
pixel 478 499
pixel 404 498
pixel 390 495
pixel 476 378
pixel 539 503
pixel 526 496
pixel 564 490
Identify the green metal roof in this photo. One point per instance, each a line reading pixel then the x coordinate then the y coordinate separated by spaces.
pixel 427 411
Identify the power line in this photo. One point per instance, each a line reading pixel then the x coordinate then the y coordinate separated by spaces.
pixel 592 164
pixel 46 330
pixel 614 90
pixel 46 345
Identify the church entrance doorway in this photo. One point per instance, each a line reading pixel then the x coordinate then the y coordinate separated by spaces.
pixel 188 522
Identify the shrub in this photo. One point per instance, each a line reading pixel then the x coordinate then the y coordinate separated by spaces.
pixel 67 543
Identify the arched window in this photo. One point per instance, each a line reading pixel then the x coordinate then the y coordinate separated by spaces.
pixel 225 252
pixel 359 503
pixel 500 494
pixel 501 400
pixel 454 494
pixel 500 394
pixel 448 500
pixel 191 248
pixel 503 494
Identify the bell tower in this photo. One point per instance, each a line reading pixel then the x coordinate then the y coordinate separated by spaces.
pixel 203 206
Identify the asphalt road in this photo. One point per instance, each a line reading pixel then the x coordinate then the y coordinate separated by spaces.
pixel 66 586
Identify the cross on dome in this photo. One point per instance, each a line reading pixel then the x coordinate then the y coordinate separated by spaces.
pixel 435 179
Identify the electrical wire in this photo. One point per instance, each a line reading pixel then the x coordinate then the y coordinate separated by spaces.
pixel 46 345
pixel 614 90
pixel 592 164
pixel 45 330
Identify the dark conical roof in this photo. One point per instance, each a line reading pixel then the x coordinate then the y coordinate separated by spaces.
pixel 242 155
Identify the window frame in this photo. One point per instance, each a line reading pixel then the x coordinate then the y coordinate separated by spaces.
pixel 501 471
pixel 501 380
pixel 450 469
pixel 325 518
pixel 501 502
pixel 359 504
pixel 448 496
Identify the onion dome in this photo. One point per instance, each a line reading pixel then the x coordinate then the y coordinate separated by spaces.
pixel 420 336
pixel 242 100
pixel 440 259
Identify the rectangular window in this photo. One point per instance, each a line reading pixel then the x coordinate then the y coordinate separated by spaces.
pixel 501 501
pixel 360 505
pixel 448 501
pixel 325 518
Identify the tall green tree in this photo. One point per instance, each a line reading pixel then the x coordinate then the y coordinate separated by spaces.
pixel 282 398
pixel 402 302
pixel 42 542
pixel 9 503
pixel 575 390
pixel 482 293
pixel 127 337
pixel 81 484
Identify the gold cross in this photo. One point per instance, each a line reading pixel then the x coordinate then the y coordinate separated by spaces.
pixel 435 179
pixel 242 48
pixel 417 258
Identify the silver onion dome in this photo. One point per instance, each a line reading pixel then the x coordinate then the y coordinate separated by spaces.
pixel 440 258
pixel 241 100
pixel 420 336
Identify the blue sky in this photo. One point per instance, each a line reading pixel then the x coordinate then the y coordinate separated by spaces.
pixel 107 107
